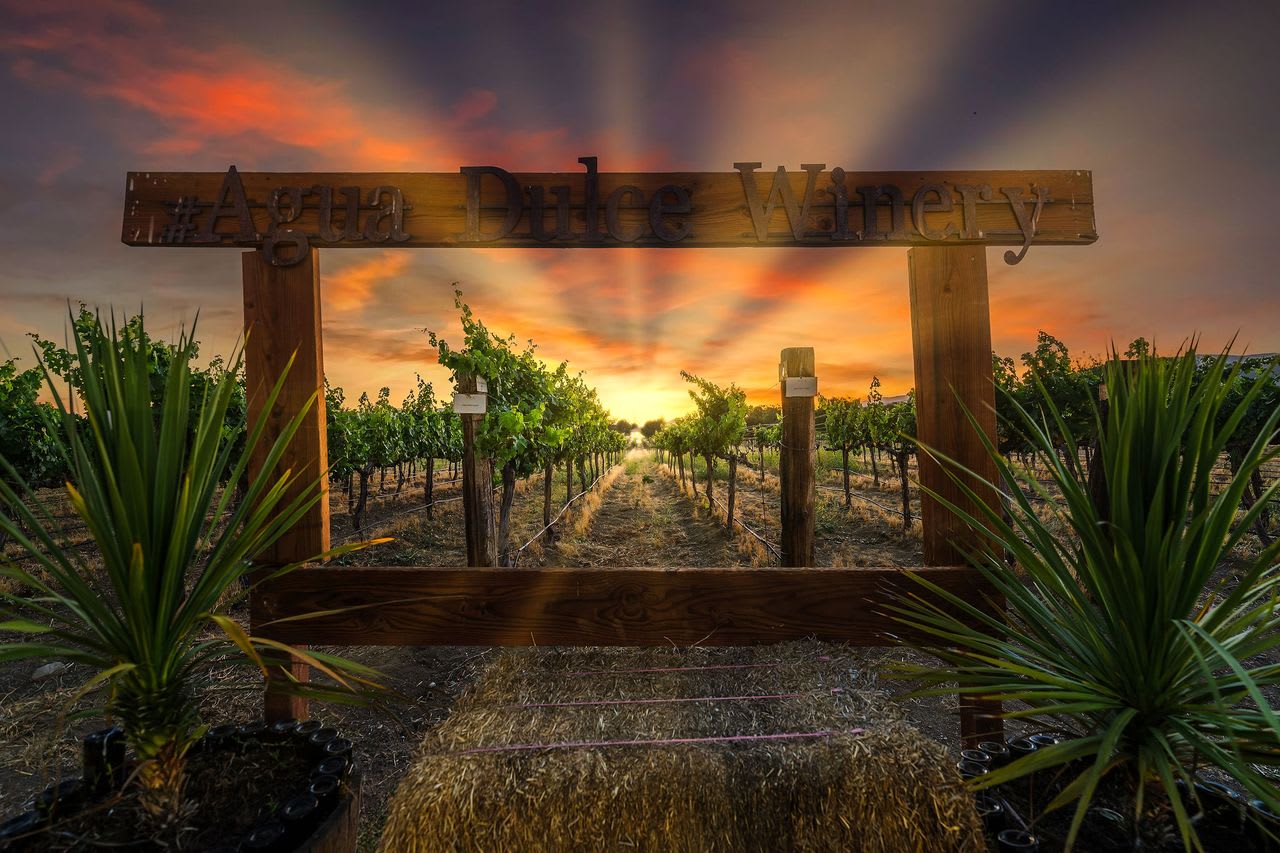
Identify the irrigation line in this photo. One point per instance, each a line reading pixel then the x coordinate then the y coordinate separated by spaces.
pixel 840 489
pixel 853 494
pixel 383 522
pixel 773 549
pixel 509 554
pixel 413 483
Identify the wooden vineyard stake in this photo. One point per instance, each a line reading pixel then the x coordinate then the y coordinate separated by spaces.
pixel 951 338
pixel 795 466
pixel 477 478
pixel 282 321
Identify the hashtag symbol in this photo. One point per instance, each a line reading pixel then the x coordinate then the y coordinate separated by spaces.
pixel 183 224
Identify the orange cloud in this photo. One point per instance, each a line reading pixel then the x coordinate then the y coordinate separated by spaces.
pixel 351 287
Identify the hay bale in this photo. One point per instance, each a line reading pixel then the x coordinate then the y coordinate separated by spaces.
pixel 518 765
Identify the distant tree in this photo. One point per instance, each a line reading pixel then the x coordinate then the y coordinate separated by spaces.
pixel 1008 434
pixel 1050 373
pixel 650 428
pixel 623 426
pixel 757 415
pixel 898 440
pixel 718 429
pixel 875 420
pixel 844 421
pixel 1138 348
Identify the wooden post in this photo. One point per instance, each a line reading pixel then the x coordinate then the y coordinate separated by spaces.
pixel 951 336
pixel 477 489
pixel 795 464
pixel 281 318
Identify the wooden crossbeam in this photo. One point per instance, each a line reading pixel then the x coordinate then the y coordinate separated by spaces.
pixel 420 606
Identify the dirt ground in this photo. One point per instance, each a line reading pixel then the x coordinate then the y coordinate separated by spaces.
pixel 637 515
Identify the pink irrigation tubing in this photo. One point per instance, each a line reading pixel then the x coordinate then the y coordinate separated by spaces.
pixel 593 744
pixel 587 672
pixel 666 701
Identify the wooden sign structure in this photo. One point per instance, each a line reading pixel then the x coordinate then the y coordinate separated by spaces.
pixel 286 214
pixel 946 219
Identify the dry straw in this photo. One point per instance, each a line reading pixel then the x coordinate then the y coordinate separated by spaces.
pixel 790 752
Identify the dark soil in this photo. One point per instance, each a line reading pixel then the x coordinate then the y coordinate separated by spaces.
pixel 228 793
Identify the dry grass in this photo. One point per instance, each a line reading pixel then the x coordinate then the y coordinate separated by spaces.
pixel 748 546
pixel 864 535
pixel 873 784
pixel 585 509
pixel 642 521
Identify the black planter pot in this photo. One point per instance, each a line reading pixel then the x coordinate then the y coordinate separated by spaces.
pixel 1043 739
pixel 320 814
pixel 1021 746
pixel 992 813
pixel 1225 821
pixel 998 752
pixel 1264 826
pixel 1017 841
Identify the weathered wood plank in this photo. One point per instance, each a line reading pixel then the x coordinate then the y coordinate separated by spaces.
pixel 621 209
pixel 593 606
pixel 951 339
pixel 282 321
pixel 951 336
pixel 795 462
pixel 477 488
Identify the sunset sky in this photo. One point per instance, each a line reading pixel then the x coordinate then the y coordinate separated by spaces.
pixel 1174 106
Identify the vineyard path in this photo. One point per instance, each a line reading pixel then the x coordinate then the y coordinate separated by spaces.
pixel 643 520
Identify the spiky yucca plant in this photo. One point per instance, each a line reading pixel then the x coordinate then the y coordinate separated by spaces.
pixel 152 482
pixel 1115 630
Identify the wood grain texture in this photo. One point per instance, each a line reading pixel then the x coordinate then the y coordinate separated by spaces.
pixel 477 490
pixel 720 214
pixel 595 607
pixel 282 321
pixel 951 336
pixel 795 463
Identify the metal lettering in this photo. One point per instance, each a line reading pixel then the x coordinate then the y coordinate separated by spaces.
pixel 285 237
pixel 393 211
pixel 797 212
pixel 1027 225
pixel 657 208
pixel 970 194
pixel 181 221
pixel 841 195
pixel 351 227
pixel 281 217
pixel 870 223
pixel 611 220
pixel 920 205
pixel 277 236
pixel 537 214
pixel 515 204
pixel 230 195
pixel 325 232
pixel 592 209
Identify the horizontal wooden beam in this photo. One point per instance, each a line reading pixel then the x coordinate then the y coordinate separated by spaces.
pixel 403 605
pixel 286 212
